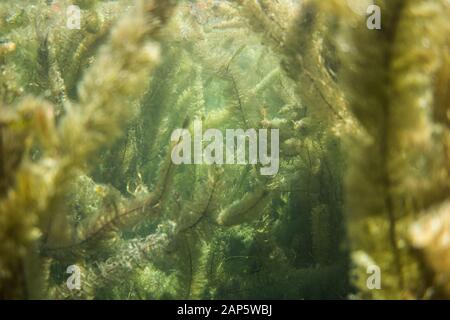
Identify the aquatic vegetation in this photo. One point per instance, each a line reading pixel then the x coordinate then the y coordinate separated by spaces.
pixel 45 155
pixel 88 182
pixel 393 93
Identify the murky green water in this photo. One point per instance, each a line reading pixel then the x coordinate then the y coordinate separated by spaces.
pixel 224 149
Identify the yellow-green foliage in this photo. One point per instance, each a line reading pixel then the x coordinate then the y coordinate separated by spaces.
pixel 118 74
pixel 395 81
pixel 86 176
pixel 388 77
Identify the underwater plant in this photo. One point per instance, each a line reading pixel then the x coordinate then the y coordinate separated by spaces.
pixel 398 93
pixel 89 188
pixel 40 155
pixel 395 82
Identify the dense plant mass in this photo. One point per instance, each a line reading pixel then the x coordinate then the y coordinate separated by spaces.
pixel 87 179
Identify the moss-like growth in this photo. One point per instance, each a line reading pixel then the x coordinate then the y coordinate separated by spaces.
pixel 87 180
